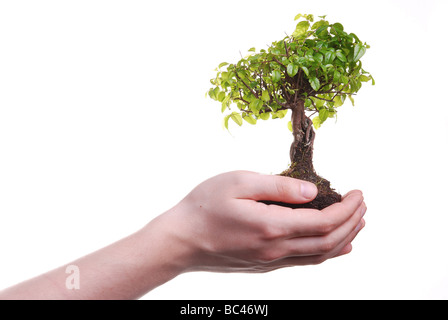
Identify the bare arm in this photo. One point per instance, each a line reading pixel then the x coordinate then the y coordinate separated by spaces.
pixel 220 226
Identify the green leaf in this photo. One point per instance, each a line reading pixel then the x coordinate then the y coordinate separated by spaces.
pixel 338 27
pixel 297 17
pixel 211 94
pixel 341 56
pixel 332 113
pixel 292 69
pixel 329 57
pixel 316 122
pixel 223 64
pixel 237 118
pixel 301 28
pixel 315 83
pixel 264 116
pixel 318 57
pixel 319 24
pixel 251 49
pixel 338 101
pixel 224 106
pixel 242 74
pixel 265 96
pixel 281 113
pixel 353 36
pixel 322 31
pixel 226 122
pixel 308 103
pixel 309 17
pixel 364 78
pixel 305 69
pixel 318 102
pixel 255 106
pixel 221 96
pixel 352 100
pixel 250 119
pixel 290 126
pixel 276 76
pixel 359 51
pixel 225 76
pixel 323 115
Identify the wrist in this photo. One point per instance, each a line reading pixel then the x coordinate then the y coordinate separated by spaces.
pixel 165 251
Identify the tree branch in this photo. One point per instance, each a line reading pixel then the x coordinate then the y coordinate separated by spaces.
pixel 242 99
pixel 298 84
pixel 314 105
pixel 286 49
pixel 276 99
pixel 247 86
pixel 286 95
pixel 328 91
pixel 279 62
pixel 324 99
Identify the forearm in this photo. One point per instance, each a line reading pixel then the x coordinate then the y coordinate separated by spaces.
pixel 126 269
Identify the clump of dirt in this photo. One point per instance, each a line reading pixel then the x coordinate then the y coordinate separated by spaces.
pixel 302 168
pixel 326 195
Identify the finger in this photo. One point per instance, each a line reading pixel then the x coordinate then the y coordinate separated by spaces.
pixel 277 188
pixel 336 240
pixel 347 247
pixel 346 250
pixel 349 202
pixel 329 244
pixel 350 192
pixel 294 260
pixel 295 223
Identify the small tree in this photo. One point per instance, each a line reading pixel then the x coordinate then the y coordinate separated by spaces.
pixel 311 72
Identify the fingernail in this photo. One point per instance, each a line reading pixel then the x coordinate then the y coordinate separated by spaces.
pixel 359 226
pixel 309 190
pixel 363 210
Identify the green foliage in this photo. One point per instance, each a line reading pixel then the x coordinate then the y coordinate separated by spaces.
pixel 317 66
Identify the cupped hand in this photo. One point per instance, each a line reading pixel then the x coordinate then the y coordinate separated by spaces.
pixel 227 229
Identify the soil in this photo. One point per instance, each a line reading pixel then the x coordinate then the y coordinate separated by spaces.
pixel 326 195
pixel 302 168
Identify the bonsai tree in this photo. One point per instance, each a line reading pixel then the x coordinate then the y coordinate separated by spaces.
pixel 312 72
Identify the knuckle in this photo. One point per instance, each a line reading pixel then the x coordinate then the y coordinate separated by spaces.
pixel 271 232
pixel 283 189
pixel 318 260
pixel 237 178
pixel 268 256
pixel 327 226
pixel 327 245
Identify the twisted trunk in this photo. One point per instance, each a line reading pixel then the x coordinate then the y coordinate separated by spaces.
pixel 303 133
pixel 301 154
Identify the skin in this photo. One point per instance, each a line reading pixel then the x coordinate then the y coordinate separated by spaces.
pixel 219 227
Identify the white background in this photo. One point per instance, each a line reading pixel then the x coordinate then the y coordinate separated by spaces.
pixel 104 125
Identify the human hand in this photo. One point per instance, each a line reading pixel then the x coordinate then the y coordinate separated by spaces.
pixel 226 229
pixel 219 226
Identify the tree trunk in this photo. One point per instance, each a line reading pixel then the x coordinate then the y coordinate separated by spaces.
pixel 301 152
pixel 301 167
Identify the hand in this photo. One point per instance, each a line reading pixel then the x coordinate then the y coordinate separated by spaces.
pixel 227 230
pixel 220 226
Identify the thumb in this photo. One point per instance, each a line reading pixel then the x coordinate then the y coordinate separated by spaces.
pixel 280 189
